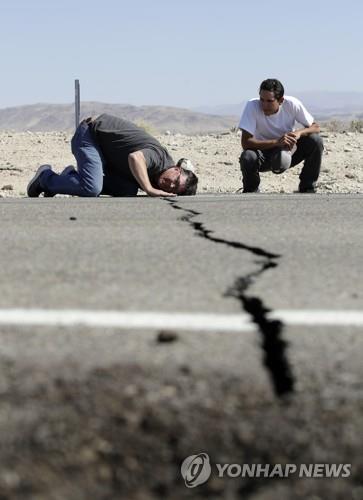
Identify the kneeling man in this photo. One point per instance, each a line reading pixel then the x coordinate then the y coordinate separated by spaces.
pixel 115 157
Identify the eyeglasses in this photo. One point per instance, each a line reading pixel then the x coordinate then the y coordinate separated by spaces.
pixel 177 182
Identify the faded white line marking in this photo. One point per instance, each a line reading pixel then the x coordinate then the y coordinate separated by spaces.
pixel 170 321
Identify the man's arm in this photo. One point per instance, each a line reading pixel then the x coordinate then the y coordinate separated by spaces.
pixel 248 141
pixel 138 169
pixel 313 129
pixel 287 141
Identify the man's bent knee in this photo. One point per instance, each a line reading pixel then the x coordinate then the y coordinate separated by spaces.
pixel 248 155
pixel 91 191
pixel 316 140
pixel 248 158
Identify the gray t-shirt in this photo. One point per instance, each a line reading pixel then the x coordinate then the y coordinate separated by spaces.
pixel 117 138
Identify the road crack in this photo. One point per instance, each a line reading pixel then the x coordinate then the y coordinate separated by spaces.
pixel 274 346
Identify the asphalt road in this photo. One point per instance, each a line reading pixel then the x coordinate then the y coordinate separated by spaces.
pixel 138 254
pixel 275 393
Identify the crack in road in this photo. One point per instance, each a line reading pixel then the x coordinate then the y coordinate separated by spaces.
pixel 273 345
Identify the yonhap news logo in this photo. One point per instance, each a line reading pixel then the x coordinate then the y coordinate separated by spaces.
pixel 196 470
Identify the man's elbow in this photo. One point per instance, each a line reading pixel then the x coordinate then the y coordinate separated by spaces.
pixel 245 144
pixel 133 156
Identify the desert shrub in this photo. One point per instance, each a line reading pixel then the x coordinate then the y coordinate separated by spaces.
pixel 334 126
pixel 356 126
pixel 147 127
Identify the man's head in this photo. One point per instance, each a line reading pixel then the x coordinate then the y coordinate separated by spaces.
pixel 271 96
pixel 178 180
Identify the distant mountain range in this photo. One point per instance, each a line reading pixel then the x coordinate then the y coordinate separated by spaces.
pixel 324 106
pixel 56 117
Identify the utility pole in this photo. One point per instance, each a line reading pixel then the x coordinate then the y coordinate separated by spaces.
pixel 77 101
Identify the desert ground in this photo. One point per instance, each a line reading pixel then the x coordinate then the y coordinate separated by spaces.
pixel 215 157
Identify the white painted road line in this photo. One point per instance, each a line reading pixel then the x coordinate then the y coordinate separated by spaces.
pixel 171 321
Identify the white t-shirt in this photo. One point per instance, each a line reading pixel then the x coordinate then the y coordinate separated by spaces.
pixel 264 127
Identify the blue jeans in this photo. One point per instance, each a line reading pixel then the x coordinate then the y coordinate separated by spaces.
pixel 89 179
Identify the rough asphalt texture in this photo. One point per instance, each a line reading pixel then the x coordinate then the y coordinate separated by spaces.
pixel 112 414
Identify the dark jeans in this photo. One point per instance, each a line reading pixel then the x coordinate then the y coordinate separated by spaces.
pixel 91 177
pixel 114 185
pixel 309 149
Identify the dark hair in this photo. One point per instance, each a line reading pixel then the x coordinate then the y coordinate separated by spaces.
pixel 191 183
pixel 273 85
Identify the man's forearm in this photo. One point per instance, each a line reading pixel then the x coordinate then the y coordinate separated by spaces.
pixel 313 129
pixel 252 143
pixel 138 169
pixel 286 141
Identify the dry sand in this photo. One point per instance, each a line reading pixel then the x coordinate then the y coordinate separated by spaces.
pixel 215 157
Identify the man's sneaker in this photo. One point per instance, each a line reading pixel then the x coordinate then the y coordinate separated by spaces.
pixel 242 190
pixel 307 190
pixel 34 188
pixel 67 171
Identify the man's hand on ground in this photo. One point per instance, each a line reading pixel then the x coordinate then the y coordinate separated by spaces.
pixel 158 192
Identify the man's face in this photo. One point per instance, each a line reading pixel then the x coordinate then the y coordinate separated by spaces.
pixel 269 104
pixel 172 180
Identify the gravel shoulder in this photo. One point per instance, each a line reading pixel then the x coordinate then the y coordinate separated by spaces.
pixel 215 157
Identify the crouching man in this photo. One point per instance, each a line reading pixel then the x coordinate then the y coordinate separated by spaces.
pixel 270 140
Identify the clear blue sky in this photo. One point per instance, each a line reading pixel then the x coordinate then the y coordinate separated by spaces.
pixel 185 53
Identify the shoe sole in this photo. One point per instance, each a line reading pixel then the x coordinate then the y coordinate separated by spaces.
pixel 30 192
